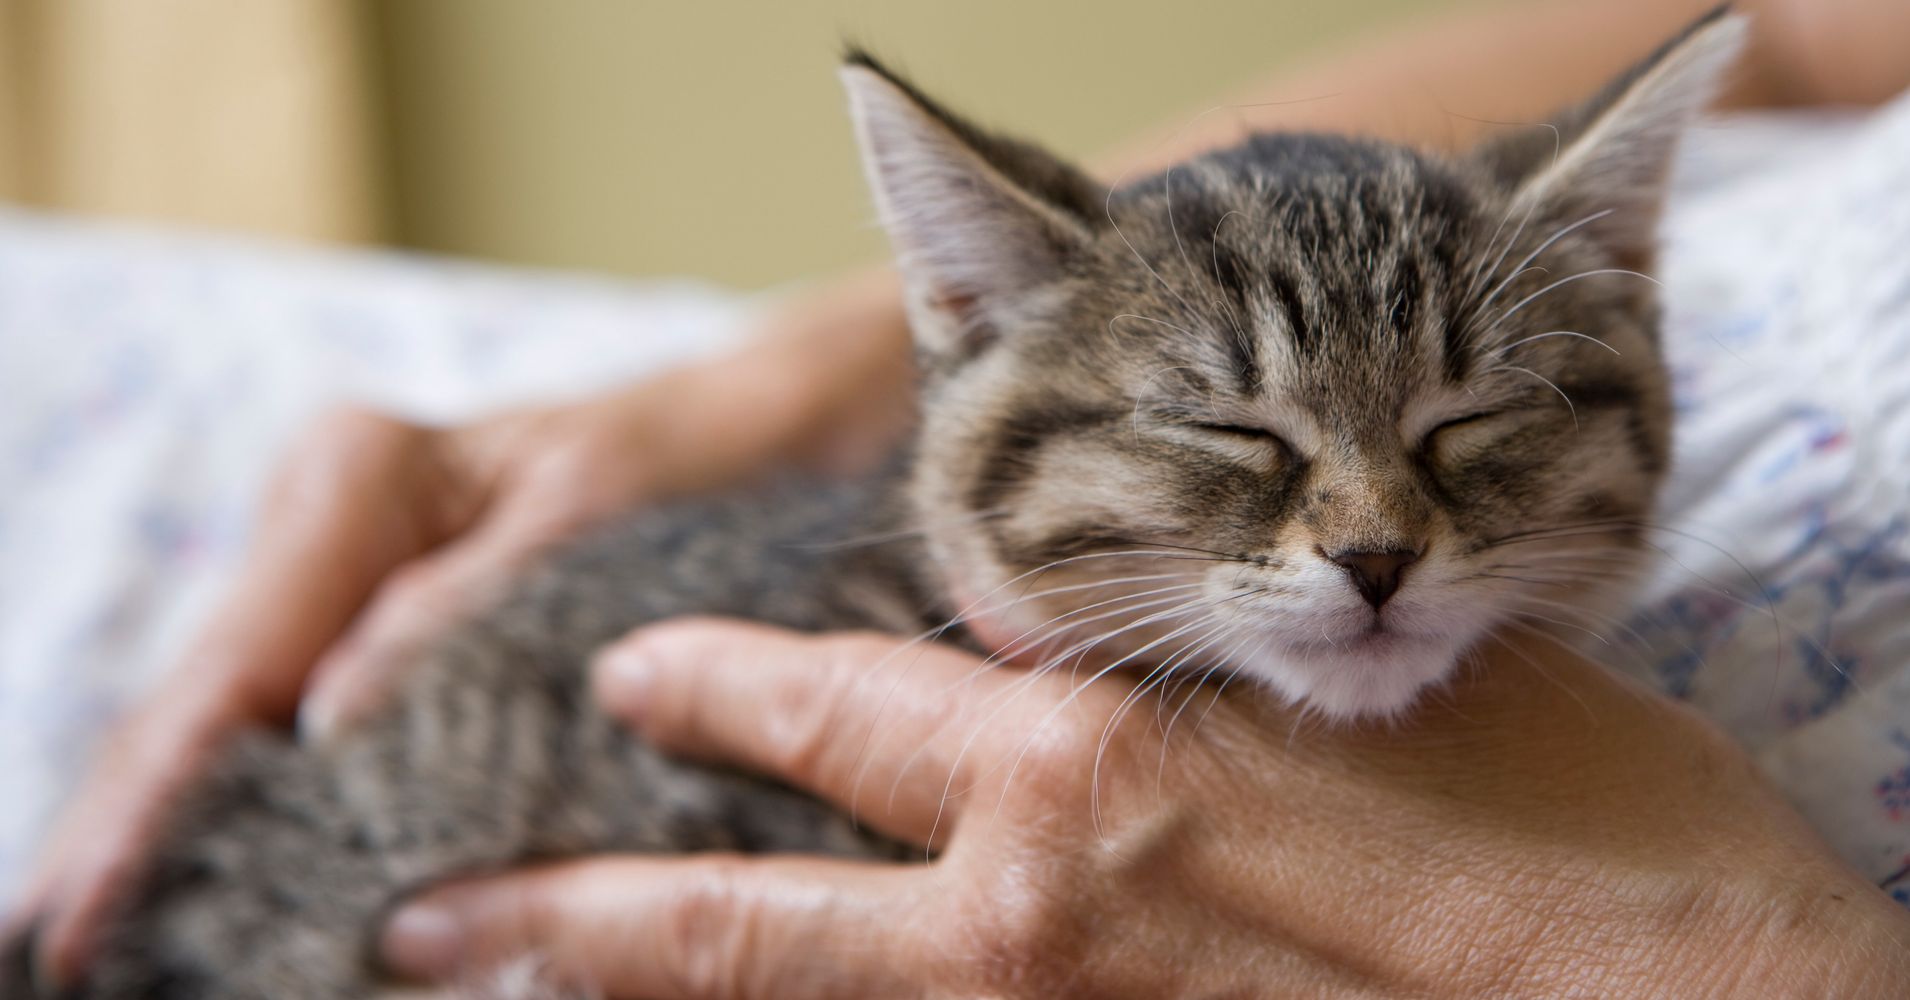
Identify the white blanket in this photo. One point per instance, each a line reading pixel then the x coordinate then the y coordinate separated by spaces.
pixel 148 379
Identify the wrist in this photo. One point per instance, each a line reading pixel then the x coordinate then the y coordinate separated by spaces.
pixel 1793 937
pixel 836 367
pixel 1821 939
pixel 1693 927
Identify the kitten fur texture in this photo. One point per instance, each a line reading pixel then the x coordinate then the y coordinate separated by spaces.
pixel 1316 410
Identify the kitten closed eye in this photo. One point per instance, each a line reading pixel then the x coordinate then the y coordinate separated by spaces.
pixel 1458 423
pixel 1244 431
pixel 1265 444
pixel 1460 439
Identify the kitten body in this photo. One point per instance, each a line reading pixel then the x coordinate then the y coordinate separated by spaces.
pixel 1322 411
pixel 273 876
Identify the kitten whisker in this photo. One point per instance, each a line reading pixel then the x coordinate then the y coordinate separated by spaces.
pixel 1223 555
pixel 1595 272
pixel 1141 394
pixel 1604 526
pixel 878 538
pixel 937 632
pixel 1521 268
pixel 996 659
pixel 1231 660
pixel 1564 624
pixel 1509 348
pixel 1152 681
pixel 1547 381
pixel 1009 694
pixel 1022 643
pixel 1474 311
pixel 1546 674
pixel 1075 692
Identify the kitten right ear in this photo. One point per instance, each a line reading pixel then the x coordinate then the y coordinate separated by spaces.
pixel 981 225
pixel 1606 162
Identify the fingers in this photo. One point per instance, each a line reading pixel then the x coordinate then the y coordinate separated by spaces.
pixel 552 487
pixel 100 841
pixel 348 505
pixel 710 927
pixel 891 731
pixel 418 604
pixel 356 498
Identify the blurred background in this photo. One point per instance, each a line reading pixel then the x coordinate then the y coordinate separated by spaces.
pixel 619 136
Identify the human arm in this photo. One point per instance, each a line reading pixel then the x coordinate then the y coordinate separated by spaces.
pixel 1446 82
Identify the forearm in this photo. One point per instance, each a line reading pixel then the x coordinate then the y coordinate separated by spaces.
pixel 1826 934
pixel 1445 82
pixel 834 364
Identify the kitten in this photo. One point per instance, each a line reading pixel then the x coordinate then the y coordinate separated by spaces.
pixel 1319 410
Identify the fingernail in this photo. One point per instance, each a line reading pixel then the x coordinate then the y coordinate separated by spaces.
pixel 317 719
pixel 422 941
pixel 624 678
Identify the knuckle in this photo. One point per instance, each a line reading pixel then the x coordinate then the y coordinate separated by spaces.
pixel 1059 751
pixel 801 735
pixel 335 450
pixel 415 601
pixel 345 432
pixel 708 932
pixel 816 706
pixel 629 646
pixel 415 587
pixel 522 920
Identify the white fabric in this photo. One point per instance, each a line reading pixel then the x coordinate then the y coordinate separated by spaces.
pixel 148 379
pixel 1782 608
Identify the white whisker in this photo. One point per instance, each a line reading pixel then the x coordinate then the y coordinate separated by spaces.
pixel 1534 255
pixel 1509 348
pixel 1547 381
pixel 1568 279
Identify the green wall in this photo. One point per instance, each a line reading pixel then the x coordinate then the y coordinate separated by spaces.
pixel 710 139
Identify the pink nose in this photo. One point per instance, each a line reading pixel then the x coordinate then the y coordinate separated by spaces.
pixel 1376 574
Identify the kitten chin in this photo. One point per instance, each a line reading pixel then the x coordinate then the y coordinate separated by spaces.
pixel 1380 677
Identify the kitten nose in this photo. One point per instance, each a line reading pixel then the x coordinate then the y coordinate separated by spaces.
pixel 1376 574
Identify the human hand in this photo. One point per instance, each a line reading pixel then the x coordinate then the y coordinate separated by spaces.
pixel 376 533
pixel 1543 829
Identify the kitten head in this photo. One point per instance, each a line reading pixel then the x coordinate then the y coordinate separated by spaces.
pixel 1322 410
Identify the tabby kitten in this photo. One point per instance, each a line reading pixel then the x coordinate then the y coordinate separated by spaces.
pixel 1314 410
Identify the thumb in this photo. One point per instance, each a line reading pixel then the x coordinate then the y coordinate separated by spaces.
pixel 670 928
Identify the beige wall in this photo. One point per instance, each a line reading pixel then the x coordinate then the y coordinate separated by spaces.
pixel 636 137
pixel 217 113
pixel 709 137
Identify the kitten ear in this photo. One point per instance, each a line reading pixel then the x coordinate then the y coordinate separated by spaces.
pixel 981 225
pixel 1613 153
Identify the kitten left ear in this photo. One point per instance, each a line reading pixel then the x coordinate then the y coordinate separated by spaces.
pixel 1614 153
pixel 981 225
